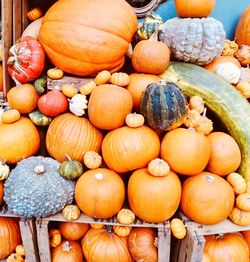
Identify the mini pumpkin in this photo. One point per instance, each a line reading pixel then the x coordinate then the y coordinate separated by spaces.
pixel 125 216
pixel 55 73
pixel 40 84
pixel 197 103
pixel 69 90
pixel 78 104
pixel 4 170
pixel 35 13
pixel 240 217
pixel 103 77
pixel 243 202
pixel 237 182
pixel 243 55
pixel 134 120
pixel 192 118
pixel 20 250
pixel 158 167
pixel 92 160
pixel 88 88
pixel 70 169
pixel 230 48
pixel 122 231
pixel 97 226
pixel 10 116
pixel 205 258
pixel 55 238
pixel 120 79
pixel 14 257
pixel 71 212
pixel 229 71
pixel 73 230
pixel 205 125
pixel 39 118
pixel 178 228
pixel 244 89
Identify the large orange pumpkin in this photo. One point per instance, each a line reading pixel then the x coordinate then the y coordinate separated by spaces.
pixel 1 78
pixel 127 148
pixel 1 192
pixel 207 198
pixel 246 235
pixel 9 236
pixel 19 140
pixel 108 106
pixel 84 37
pixel 242 32
pixel 154 199
pixel 100 193
pixel 221 59
pixel 72 135
pixel 228 247
pixel 101 245
pixel 73 230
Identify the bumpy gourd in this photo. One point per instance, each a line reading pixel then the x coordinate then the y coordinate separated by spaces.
pixel 193 40
pixel 36 189
pixel 39 118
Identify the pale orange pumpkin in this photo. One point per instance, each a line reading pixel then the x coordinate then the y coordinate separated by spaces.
pixel 72 230
pixel 10 116
pixel 246 235
pixel 120 79
pixel 134 120
pixel 243 202
pixel 103 77
pixel 237 182
pixel 20 250
pixel 158 167
pixel 97 226
pixel 242 36
pixel 125 216
pixel 240 217
pixel 178 228
pixel 55 73
pixel 219 60
pixel 122 231
pixel 69 90
pixel 35 13
pixel 92 160
pixel 87 88
pixel 55 238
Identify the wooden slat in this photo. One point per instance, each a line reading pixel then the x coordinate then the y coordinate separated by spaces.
pixel 43 240
pixel 17 19
pixel 25 9
pixel 164 243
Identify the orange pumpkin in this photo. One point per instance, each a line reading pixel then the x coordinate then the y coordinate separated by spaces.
pixel 72 135
pixel 225 154
pixel 9 236
pixel 154 199
pixel 187 152
pixel 1 192
pixel 97 226
pixel 99 29
pixel 136 147
pixel 22 133
pixel 34 14
pixel 137 85
pixel 219 60
pixel 246 235
pixel 100 193
pixel 242 35
pixel 55 238
pixel 108 106
pixel 72 230
pixel 207 198
pixel 1 78
pixel 24 98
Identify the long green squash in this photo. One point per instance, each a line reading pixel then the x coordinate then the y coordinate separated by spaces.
pixel 220 97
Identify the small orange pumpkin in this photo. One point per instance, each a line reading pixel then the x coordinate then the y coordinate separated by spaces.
pixel 72 230
pixel 158 167
pixel 126 216
pixel 103 77
pixel 55 238
pixel 244 88
pixel 240 217
pixel 55 73
pixel 122 231
pixel 178 228
pixel 35 13
pixel 237 182
pixel 20 250
pixel 88 88
pixel 120 79
pixel 92 160
pixel 197 103
pixel 97 226
pixel 243 202
pixel 69 90
pixel 10 116
pixel 134 120
pixel 242 30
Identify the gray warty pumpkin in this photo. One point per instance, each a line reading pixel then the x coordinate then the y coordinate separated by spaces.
pixel 35 188
pixel 163 106
pixel 194 40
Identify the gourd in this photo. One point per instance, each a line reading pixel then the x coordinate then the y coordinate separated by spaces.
pixel 229 71
pixel 97 226
pixel 40 175
pixel 34 14
pixel 55 238
pixel 20 250
pixel 230 48
pixel 196 103
pixel 71 212
pixel 39 118
pixel 125 216
pixel 243 202
pixel 70 169
pixel 240 217
pixel 163 106
pixel 243 55
pixel 92 160
pixel 120 79
pixel 177 32
pixel 73 231
pixel 228 105
pixel 4 171
pixel 14 257
pixel 241 32
pixel 122 231
pixel 103 77
pixel 237 182
pixel 10 116
pixel 221 60
pixel 40 84
pixel 244 89
pixel 69 90
pixel 55 73
pixel 134 120
pixel 78 104
pixel 158 167
pixel 88 88
pixel 178 228
pixel 105 40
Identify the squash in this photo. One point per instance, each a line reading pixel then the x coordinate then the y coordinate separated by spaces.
pixel 125 216
pixel 163 106
pixel 69 90
pixel 158 167
pixel 229 71
pixel 88 88
pixel 97 226
pixel 78 104
pixel 122 231
pixel 134 120
pixel 196 103
pixel 10 116
pixel 246 235
pixel 221 60
pixel 20 250
pixel 1 192
pixel 219 96
pixel 230 48
pixel 237 182
pixel 39 118
pixel 92 160
pixel 14 257
pixel 243 202
pixel 242 36
pixel 120 79
pixel 103 77
pixel 34 14
pixel 178 228
pixel 240 217
pixel 96 42
pixel 55 238
pixel 72 230
pixel 244 89
pixel 33 28
pixel 70 169
pixel 40 84
pixel 4 170
pixel 71 212
pixel 55 73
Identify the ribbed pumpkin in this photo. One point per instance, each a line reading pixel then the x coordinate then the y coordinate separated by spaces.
pixel 72 135
pixel 19 140
pixel 242 35
pixel 72 230
pixel 101 245
pixel 84 37
pixel 163 106
pixel 100 193
pixel 207 198
pixel 136 147
pixel 1 192
pixel 154 199
pixel 246 235
pixel 9 236
pixel 1 78
pixel 108 106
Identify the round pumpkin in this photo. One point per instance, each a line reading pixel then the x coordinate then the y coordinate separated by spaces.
pixel 1 192
pixel 220 60
pixel 108 106
pixel 9 236
pixel 72 135
pixel 136 147
pixel 1 78
pixel 72 230
pixel 207 198
pixel 19 140
pixel 154 199
pixel 24 98
pixel 100 193
pixel 89 37
pixel 242 36
pixel 228 247
pixel 137 85
pixel 246 235
pixel 225 155
pixel 186 151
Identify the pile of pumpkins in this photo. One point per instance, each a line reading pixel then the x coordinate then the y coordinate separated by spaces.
pixel 145 137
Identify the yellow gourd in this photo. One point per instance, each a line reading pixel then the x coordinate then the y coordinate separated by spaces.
pixel 240 217
pixel 237 182
pixel 69 90
pixel 158 167
pixel 88 88
pixel 125 216
pixel 92 159
pixel 55 238
pixel 243 202
pixel 122 231
pixel 178 228
pixel 103 77
pixel 71 212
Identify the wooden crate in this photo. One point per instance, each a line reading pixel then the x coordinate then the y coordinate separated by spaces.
pixel 164 234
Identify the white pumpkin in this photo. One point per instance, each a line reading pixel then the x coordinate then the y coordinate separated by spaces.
pixel 229 71
pixel 78 104
pixel 4 171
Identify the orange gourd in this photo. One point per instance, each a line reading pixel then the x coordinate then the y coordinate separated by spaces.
pixel 55 238
pixel 20 250
pixel 10 116
pixel 34 14
pixel 120 79
pixel 242 35
pixel 69 90
pixel 243 202
pixel 1 192
pixel 246 235
pixel 97 226
pixel 219 60
pixel 55 73
pixel 92 160
pixel 240 217
pixel 72 230
pixel 178 228
pixel 134 120
pixel 103 77
pixel 158 167
pixel 125 216
pixel 122 231
pixel 88 88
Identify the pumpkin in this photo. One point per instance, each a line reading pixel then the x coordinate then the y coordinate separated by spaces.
pixel 22 133
pixel 154 199
pixel 243 202
pixel 150 57
pixel 40 84
pixel 120 79
pixel 20 250
pixel 39 118
pixel 92 160
pixel 122 231
pixel 208 41
pixel 134 120
pixel 178 228
pixel 136 147
pixel 243 55
pixel 103 245
pixel 14 257
pixel 24 98
pixel 187 152
pixel 55 238
pixel 91 193
pixel 196 103
pixel 225 155
pixel 229 71
pixel 105 40
pixel 192 119
pixel 230 48
pixel 205 125
pixel 4 171
pixel 240 217
pixel 87 88
pixel 244 89
pixel 34 14
pixel 71 212
pixel 227 247
pixel 1 78
pixel 69 251
pixel 237 182
pixel 200 201
pixel 163 106
pixel 1 192
pixel 70 169
pixel 73 231
pixel 137 85
pixel 242 36
pixel 73 135
pixel 246 235
pixel 109 106
pixel 97 226
pixel 78 104
pixel 55 73
pixel 103 77
pixel 9 236
pixel 158 167
pixel 10 116
pixel 142 244
pixel 221 60
pixel 33 28
pixel 53 103
pixel 194 8
pixel 125 216
pixel 205 258
pixel 69 90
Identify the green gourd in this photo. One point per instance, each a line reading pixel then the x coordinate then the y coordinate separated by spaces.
pixel 39 118
pixel 71 169
pixel 40 84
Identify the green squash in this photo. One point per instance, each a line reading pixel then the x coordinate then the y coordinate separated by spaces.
pixel 40 84
pixel 71 169
pixel 163 106
pixel 39 118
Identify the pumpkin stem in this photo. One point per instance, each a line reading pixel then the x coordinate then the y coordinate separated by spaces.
pixel 66 246
pixel 99 176
pixel 210 179
pixel 39 169
pixel 68 157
